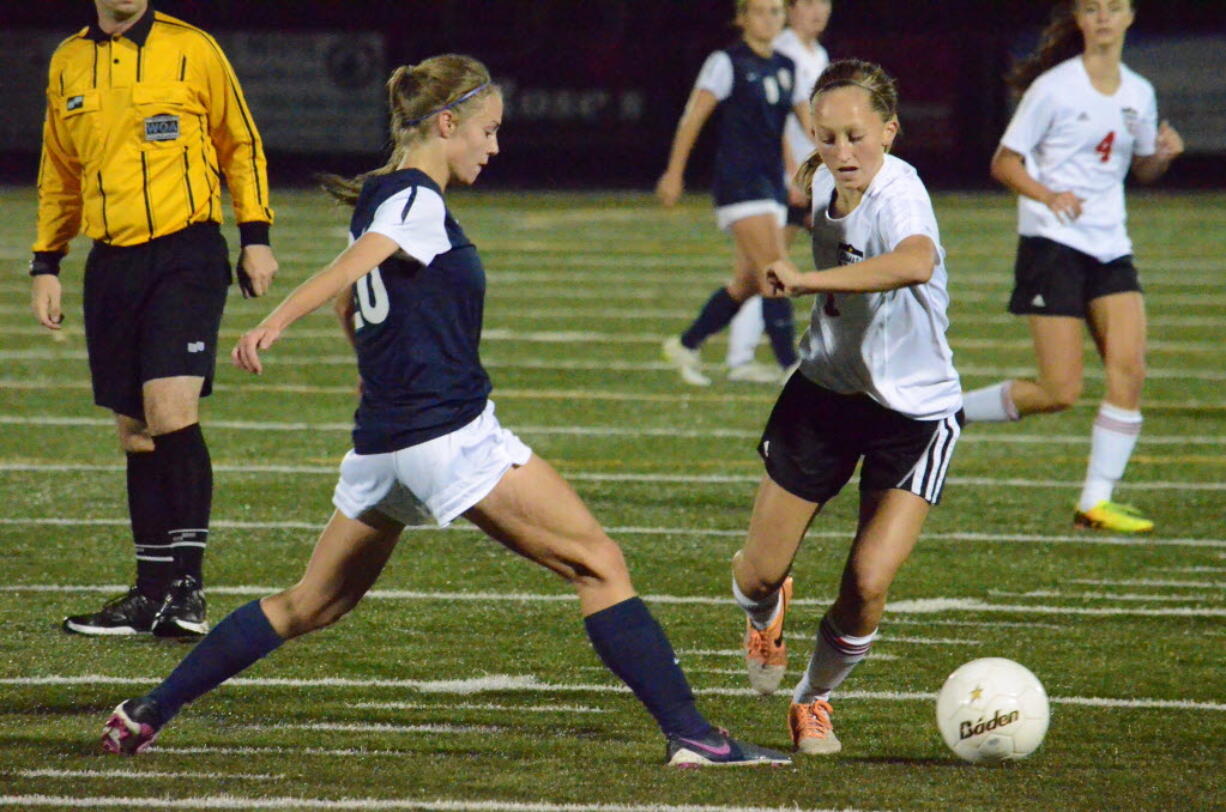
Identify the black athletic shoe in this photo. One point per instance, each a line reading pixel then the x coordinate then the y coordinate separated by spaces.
pixel 132 727
pixel 182 611
pixel 132 613
pixel 718 749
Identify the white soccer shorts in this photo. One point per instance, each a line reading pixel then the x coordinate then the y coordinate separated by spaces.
pixel 438 479
pixel 725 216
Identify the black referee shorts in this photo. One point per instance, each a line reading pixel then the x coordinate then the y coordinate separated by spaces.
pixel 153 311
pixel 815 437
pixel 1052 279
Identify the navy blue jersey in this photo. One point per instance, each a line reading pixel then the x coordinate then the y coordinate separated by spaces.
pixel 755 95
pixel 417 318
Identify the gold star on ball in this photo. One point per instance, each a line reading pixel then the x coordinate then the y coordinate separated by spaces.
pixel 977 693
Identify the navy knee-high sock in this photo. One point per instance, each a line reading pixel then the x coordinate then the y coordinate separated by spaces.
pixel 713 317
pixel 187 489
pixel 240 639
pixel 634 647
pixel 777 316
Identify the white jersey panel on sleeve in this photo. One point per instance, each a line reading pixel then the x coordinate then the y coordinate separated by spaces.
pixel 716 75
pixel 414 218
pixel 889 345
pixel 1076 139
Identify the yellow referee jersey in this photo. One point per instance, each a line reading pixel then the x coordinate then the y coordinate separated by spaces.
pixel 138 132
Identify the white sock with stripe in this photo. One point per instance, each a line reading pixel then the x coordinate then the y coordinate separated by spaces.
pixel 833 659
pixel 991 404
pixel 1111 443
pixel 761 613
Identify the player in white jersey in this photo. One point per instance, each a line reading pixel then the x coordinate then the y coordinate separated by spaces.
pixel 876 383
pixel 807 19
pixel 1084 120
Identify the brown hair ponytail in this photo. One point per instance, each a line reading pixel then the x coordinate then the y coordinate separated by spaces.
pixel 1060 40
pixel 415 93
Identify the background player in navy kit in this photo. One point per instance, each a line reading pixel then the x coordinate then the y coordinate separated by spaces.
pixel 807 19
pixel 876 381
pixel 755 88
pixel 426 441
pixel 1084 121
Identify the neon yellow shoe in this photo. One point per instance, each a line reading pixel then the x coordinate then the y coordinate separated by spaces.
pixel 1113 516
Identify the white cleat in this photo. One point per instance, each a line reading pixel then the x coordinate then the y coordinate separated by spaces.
pixel 687 362
pixel 753 372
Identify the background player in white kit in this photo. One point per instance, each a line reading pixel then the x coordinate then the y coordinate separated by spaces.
pixel 755 89
pixel 1084 121
pixel 807 19
pixel 876 381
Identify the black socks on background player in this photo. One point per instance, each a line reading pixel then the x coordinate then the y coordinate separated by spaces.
pixel 713 317
pixel 170 496
pixel 781 329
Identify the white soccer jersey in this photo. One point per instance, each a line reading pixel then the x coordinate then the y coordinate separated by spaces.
pixel 1075 139
pixel 809 66
pixel 891 345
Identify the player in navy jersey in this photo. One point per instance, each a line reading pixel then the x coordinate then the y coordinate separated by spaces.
pixel 1084 121
pixel 807 19
pixel 876 387
pixel 754 87
pixel 427 445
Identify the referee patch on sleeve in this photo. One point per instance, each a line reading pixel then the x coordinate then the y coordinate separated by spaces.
pixel 162 128
pixel 75 103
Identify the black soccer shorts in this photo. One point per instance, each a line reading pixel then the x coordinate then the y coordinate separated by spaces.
pixel 814 438
pixel 153 311
pixel 1052 279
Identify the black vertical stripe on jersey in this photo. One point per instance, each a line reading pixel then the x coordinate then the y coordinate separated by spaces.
pixel 144 174
pixel 95 80
pixel 61 83
pixel 182 67
pixel 187 179
pixel 106 226
pixel 204 152
pixel 232 83
pixel 140 57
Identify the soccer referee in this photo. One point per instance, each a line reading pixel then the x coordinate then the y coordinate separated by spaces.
pixel 144 118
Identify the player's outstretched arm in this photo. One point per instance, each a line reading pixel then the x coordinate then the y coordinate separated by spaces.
pixel 353 263
pixel 911 263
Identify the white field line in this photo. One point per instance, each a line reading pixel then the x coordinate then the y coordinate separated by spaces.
pixel 589 476
pixel 1190 569
pixel 227 801
pixel 765 395
pixel 1020 538
pixel 530 683
pixel 914 606
pixel 450 706
pixel 1149 582
pixel 376 727
pixel 987 624
pixel 142 774
pixel 965 344
pixel 608 431
pixel 300 360
pixel 1097 596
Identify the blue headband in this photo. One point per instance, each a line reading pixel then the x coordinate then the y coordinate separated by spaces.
pixel 460 100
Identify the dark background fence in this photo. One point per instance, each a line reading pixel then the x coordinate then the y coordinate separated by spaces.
pixel 594 87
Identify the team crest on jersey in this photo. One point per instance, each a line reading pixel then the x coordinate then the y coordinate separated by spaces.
pixel 849 254
pixel 1131 117
pixel 74 103
pixel 162 128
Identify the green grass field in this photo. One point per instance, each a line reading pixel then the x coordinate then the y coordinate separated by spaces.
pixel 465 681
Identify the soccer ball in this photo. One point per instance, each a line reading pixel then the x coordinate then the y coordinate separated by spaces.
pixel 992 710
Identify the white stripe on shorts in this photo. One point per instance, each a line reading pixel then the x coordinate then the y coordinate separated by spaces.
pixel 927 478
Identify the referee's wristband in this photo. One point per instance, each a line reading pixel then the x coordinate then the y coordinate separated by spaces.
pixel 253 233
pixel 45 263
